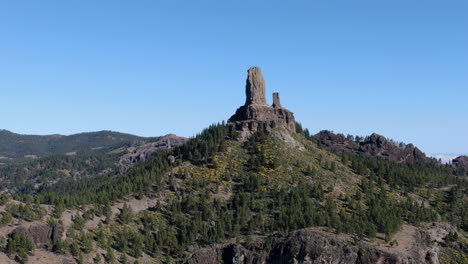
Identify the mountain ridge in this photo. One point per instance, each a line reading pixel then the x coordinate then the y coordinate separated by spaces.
pixel 373 145
pixel 17 146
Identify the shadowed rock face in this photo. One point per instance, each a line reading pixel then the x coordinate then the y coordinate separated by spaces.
pixel 305 246
pixel 41 234
pixel 256 114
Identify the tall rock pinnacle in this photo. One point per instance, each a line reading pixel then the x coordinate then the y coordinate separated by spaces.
pixel 256 114
pixel 255 87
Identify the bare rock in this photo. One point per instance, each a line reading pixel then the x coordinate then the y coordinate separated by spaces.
pixel 276 100
pixel 255 87
pixel 171 159
pixel 256 114
pixel 41 234
pixel 375 145
pixel 57 234
pixel 142 152
pixel 460 166
pixel 303 246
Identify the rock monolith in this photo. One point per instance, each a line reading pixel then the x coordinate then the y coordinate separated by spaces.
pixel 255 87
pixel 276 100
pixel 256 114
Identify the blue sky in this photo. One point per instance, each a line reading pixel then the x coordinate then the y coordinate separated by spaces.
pixel 398 68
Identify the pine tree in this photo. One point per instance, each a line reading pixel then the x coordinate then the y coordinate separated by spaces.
pixel 126 214
pixel 123 258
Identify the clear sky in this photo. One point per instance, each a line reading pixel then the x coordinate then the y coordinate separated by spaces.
pixel 398 68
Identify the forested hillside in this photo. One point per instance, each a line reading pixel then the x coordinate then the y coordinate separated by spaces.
pixel 217 195
pixel 16 146
pixel 59 171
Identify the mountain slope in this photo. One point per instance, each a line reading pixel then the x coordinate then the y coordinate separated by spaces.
pixel 231 197
pixel 15 146
pixel 56 171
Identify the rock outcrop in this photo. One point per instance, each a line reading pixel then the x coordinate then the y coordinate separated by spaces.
pixel 306 246
pixel 276 100
pixel 375 145
pixel 256 114
pixel 460 166
pixel 41 234
pixel 143 152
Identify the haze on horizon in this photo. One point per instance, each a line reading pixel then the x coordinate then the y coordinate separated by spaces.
pixel 395 68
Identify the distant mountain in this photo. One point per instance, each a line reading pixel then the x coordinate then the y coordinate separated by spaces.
pixel 41 163
pixel 15 146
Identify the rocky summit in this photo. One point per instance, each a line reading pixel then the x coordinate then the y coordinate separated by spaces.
pixel 256 114
pixel 373 146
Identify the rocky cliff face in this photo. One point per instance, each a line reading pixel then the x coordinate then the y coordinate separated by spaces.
pixel 256 114
pixel 307 247
pixel 41 234
pixel 376 146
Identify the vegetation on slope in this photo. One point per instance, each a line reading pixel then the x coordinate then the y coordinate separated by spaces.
pixel 16 146
pixel 219 188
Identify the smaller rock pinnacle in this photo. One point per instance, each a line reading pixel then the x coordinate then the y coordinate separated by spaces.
pixel 276 100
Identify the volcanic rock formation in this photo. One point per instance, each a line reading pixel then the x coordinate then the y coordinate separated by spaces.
pixel 313 246
pixel 375 146
pixel 256 114
pixel 255 87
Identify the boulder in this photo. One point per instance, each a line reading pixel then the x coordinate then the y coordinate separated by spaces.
pixel 41 234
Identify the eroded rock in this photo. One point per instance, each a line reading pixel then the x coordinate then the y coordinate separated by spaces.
pixel 307 247
pixel 256 114
pixel 460 166
pixel 41 234
pixel 142 152
pixel 376 146
pixel 255 87
pixel 276 100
